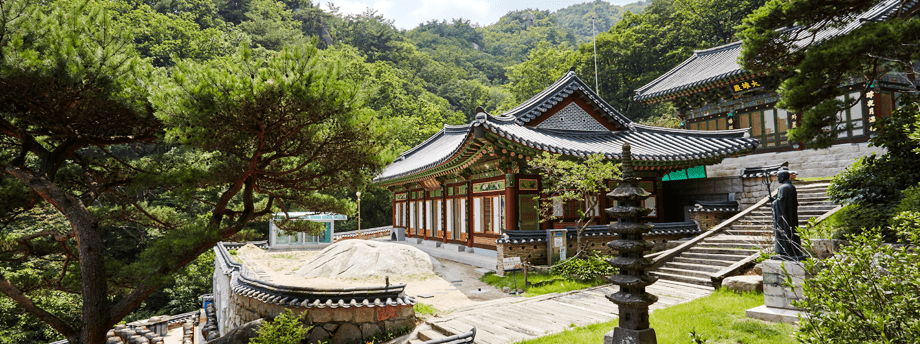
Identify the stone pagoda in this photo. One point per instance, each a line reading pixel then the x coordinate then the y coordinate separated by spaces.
pixel 632 299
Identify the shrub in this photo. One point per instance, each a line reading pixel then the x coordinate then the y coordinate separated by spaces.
pixel 594 266
pixel 874 183
pixel 855 217
pixel 284 329
pixel 867 293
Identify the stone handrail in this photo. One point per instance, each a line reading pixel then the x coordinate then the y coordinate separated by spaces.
pixel 462 338
pixel 717 277
pixel 665 256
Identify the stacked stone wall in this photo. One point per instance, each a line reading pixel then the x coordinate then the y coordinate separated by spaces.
pixel 535 253
pixel 707 220
pixel 808 163
pixel 336 325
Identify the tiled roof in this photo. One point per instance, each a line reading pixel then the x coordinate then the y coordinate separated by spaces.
pixel 710 65
pixel 555 93
pixel 715 207
pixel 652 146
pixel 536 236
pixel 703 67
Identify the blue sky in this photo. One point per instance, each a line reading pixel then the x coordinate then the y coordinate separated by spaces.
pixel 408 14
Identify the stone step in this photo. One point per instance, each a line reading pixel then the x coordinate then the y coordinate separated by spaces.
pixel 682 272
pixel 429 334
pixel 720 251
pixel 733 245
pixel 753 227
pixel 751 232
pixel 731 258
pixel 685 279
pixel 711 262
pixel 695 267
pixel 728 238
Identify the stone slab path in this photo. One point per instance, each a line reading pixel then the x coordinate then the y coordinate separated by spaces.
pixel 510 320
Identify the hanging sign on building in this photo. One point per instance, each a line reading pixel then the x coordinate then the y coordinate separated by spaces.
pixel 746 86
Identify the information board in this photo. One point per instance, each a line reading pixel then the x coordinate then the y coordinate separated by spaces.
pixel 511 263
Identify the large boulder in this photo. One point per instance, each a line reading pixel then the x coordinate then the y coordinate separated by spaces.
pixel 240 335
pixel 744 283
pixel 366 258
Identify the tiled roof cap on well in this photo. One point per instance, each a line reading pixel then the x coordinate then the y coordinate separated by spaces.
pixel 714 64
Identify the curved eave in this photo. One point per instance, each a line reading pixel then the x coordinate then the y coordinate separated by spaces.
pixel 700 86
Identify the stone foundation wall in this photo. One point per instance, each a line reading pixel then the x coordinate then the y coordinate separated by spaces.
pixel 709 220
pixel 340 325
pixel 535 253
pixel 809 163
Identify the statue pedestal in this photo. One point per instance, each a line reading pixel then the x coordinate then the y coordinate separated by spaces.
pixel 621 335
pixel 777 297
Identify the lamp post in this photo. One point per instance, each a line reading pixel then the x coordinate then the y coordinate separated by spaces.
pixel 359 212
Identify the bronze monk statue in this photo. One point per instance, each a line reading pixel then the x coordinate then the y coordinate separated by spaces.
pixel 787 244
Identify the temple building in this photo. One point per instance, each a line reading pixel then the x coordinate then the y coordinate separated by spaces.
pixel 470 184
pixel 711 91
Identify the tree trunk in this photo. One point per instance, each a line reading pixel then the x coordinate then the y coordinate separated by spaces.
pixel 89 244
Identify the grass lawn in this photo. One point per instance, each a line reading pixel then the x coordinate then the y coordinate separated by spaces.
pixel 561 285
pixel 718 318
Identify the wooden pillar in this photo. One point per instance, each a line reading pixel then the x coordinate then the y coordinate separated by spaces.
pixel 444 211
pixel 469 213
pixel 511 203
pixel 406 218
pixel 424 217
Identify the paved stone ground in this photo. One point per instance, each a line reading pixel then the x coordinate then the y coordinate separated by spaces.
pixel 509 320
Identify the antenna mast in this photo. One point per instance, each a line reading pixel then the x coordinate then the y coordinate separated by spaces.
pixel 594 32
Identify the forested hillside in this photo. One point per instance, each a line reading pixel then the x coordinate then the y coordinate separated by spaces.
pixel 168 56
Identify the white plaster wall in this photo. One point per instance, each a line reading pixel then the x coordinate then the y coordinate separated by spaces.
pixel 221 292
pixel 808 163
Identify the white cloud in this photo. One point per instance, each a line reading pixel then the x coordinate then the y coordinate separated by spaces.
pixel 478 11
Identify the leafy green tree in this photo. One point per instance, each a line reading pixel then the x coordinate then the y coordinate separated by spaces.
pixel 867 293
pixel 544 65
pixel 641 47
pixel 271 25
pixel 286 328
pixel 579 18
pixel 582 180
pixel 813 65
pixel 165 36
pixel 872 186
pixel 517 32
pixel 147 181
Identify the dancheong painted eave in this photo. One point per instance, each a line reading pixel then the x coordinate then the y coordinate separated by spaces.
pixel 718 66
pixel 456 147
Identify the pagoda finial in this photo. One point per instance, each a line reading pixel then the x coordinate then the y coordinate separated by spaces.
pixel 626 165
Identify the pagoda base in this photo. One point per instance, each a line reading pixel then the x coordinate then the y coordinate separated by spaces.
pixel 621 335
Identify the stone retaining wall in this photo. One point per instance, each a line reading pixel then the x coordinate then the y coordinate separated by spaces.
pixel 336 325
pixel 809 163
pixel 535 253
pixel 345 321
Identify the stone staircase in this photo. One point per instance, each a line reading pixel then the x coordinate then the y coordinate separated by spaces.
pixel 747 236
